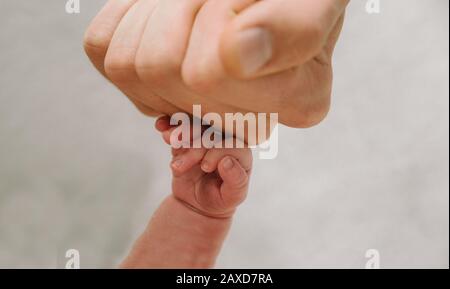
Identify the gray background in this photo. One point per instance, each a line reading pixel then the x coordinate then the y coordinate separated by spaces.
pixel 81 168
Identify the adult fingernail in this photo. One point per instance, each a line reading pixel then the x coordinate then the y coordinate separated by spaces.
pixel 254 49
pixel 227 163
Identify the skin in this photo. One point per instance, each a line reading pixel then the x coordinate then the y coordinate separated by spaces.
pixel 167 55
pixel 190 226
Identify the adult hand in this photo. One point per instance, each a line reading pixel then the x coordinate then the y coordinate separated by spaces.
pixel 230 56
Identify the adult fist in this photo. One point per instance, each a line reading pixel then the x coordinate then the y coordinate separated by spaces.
pixel 227 55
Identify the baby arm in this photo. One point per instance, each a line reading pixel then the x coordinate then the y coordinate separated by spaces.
pixel 190 226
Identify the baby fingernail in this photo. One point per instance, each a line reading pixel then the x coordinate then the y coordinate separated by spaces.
pixel 205 167
pixel 176 164
pixel 227 163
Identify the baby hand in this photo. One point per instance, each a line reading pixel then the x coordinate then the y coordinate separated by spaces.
pixel 212 182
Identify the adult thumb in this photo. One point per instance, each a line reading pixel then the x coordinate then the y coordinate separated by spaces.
pixel 271 36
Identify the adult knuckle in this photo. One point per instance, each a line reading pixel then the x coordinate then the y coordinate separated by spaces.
pixel 96 40
pixel 156 68
pixel 198 77
pixel 119 65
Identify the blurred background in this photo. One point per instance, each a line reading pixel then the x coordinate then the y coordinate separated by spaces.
pixel 81 168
